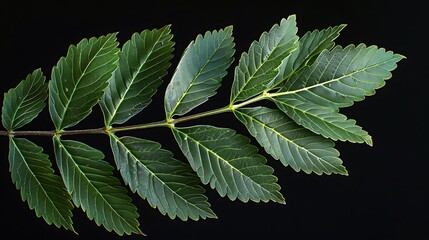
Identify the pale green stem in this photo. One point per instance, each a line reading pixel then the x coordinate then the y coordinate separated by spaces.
pixel 163 123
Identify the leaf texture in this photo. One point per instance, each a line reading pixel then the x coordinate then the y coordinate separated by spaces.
pixel 143 62
pixel 229 163
pixel 199 72
pixel 79 79
pixel 290 143
pixel 257 68
pixel 23 103
pixel 44 191
pixel 91 183
pixel 309 47
pixel 165 182
pixel 337 78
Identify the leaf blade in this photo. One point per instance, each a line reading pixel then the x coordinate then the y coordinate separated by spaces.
pixel 322 120
pixel 91 183
pixel 257 68
pixel 163 181
pixel 229 163
pixel 23 103
pixel 199 72
pixel 290 143
pixel 342 76
pixel 79 79
pixel 32 173
pixel 143 62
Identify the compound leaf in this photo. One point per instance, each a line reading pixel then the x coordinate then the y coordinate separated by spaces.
pixel 309 47
pixel 166 183
pixel 23 103
pixel 257 68
pixel 80 78
pixel 91 183
pixel 229 163
pixel 143 62
pixel 44 191
pixel 290 143
pixel 199 72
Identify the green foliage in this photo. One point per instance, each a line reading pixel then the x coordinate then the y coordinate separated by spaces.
pixel 309 79
pixel 165 182
pixel 80 78
pixel 90 182
pixel 292 144
pixel 33 174
pixel 258 67
pixel 229 163
pixel 143 61
pixel 337 78
pixel 23 103
pixel 199 72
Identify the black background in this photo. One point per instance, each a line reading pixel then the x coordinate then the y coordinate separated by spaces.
pixel 385 196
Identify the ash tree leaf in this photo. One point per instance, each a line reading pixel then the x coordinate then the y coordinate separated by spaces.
pixel 199 72
pixel 229 163
pixel 290 143
pixel 32 173
pixel 166 183
pixel 143 62
pixel 257 68
pixel 91 183
pixel 337 78
pixel 309 47
pixel 79 79
pixel 23 103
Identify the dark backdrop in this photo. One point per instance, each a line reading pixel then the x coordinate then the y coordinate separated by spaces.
pixel 385 196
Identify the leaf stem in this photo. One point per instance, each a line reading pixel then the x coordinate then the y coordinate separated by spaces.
pixel 138 126
pixel 53 133
pixel 200 115
pixel 163 123
pixel 258 98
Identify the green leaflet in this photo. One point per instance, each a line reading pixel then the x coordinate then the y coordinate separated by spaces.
pixel 44 191
pixel 290 143
pixel 23 103
pixel 199 72
pixel 342 76
pixel 336 79
pixel 321 119
pixel 165 182
pixel 309 47
pixel 79 79
pixel 257 68
pixel 229 163
pixel 91 183
pixel 143 61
